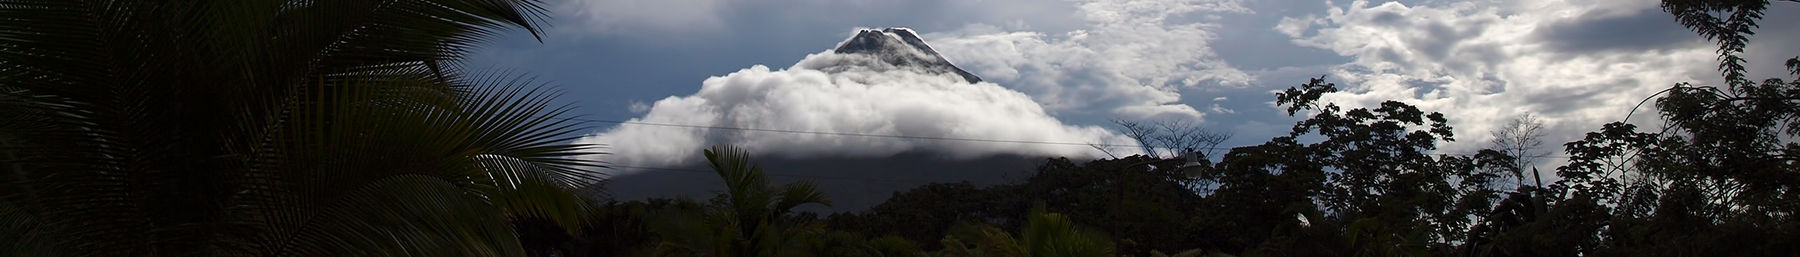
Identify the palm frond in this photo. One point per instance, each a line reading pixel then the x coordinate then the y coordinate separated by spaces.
pixel 255 127
pixel 799 193
pixel 415 217
pixel 1053 234
pixel 539 199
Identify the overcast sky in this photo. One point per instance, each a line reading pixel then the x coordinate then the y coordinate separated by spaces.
pixel 1057 71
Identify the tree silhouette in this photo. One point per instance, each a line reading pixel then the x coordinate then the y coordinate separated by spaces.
pixel 1522 138
pixel 751 218
pixel 272 128
pixel 1045 234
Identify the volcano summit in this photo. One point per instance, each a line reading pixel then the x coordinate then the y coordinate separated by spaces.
pixel 901 47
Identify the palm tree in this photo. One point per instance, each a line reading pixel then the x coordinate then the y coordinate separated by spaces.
pixel 750 218
pixel 272 128
pixel 843 243
pixel 1046 234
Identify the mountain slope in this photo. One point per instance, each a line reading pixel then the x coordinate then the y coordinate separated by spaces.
pixel 901 47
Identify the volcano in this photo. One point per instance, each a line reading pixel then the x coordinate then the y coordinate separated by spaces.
pixel 901 47
pixel 913 80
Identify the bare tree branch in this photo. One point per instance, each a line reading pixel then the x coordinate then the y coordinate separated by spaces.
pixel 1171 138
pixel 1523 139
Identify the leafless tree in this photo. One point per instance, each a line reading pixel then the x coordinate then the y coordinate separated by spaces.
pixel 1171 138
pixel 1522 138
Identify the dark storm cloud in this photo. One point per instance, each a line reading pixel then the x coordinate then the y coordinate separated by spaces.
pixel 1573 100
pixel 665 20
pixel 1441 38
pixel 1389 19
pixel 1644 30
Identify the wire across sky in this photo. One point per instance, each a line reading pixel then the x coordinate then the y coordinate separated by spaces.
pixel 907 137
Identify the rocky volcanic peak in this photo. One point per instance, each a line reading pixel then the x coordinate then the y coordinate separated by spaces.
pixel 901 47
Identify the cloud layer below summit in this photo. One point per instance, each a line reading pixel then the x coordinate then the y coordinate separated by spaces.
pixel 830 105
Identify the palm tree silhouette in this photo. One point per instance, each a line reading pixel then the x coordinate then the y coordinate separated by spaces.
pixel 272 128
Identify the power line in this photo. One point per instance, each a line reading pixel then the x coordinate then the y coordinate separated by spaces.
pixel 889 180
pixel 931 137
pixel 860 134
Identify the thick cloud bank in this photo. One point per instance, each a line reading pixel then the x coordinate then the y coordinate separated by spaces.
pixel 836 94
pixel 1131 60
pixel 1577 64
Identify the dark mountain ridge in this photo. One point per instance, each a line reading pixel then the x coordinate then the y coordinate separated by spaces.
pixel 853 183
pixel 901 47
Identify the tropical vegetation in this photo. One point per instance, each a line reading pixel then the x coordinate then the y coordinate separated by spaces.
pixel 274 128
pixel 349 128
